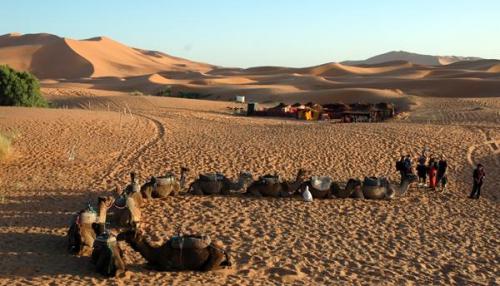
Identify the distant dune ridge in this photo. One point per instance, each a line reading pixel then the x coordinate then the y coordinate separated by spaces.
pixel 413 58
pixel 102 63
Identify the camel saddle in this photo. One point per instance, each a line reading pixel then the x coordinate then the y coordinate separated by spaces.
pixel 168 179
pixel 121 202
pixel 270 179
pixel 190 241
pixel 321 183
pixel 87 217
pixel 211 177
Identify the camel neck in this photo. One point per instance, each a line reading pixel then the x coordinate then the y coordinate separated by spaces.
pixel 147 251
pixel 102 215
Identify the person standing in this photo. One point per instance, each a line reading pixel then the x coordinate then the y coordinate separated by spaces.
pixel 408 165
pixel 478 177
pixel 422 172
pixel 441 172
pixel 432 173
pixel 400 167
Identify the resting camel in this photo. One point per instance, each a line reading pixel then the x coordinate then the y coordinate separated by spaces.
pixel 85 226
pixel 271 186
pixel 125 211
pixel 106 255
pixel 179 253
pixel 380 188
pixel 132 190
pixel 162 187
pixel 320 187
pixel 214 184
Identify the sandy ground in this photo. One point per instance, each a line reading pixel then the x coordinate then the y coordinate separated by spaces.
pixel 64 157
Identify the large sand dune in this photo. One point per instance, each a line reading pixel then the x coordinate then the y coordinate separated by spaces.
pixel 102 63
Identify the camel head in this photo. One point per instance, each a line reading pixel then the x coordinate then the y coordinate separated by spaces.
pixel 118 190
pixel 131 235
pixel 184 170
pixel 105 202
pixel 302 174
pixel 245 178
pixel 132 177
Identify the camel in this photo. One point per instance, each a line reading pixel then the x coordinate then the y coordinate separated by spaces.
pixel 371 188
pixel 107 256
pixel 84 228
pixel 271 186
pixel 352 189
pixel 125 210
pixel 162 187
pixel 212 184
pixel 380 188
pixel 179 253
pixel 320 187
pixel 132 190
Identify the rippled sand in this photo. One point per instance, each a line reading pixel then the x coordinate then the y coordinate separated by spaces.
pixel 63 158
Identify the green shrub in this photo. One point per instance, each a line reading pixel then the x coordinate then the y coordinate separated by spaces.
pixel 192 95
pixel 165 91
pixel 19 89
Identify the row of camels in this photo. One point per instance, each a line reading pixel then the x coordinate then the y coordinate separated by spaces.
pixel 272 186
pixel 88 234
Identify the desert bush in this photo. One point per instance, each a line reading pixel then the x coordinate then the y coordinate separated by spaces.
pixel 165 91
pixel 19 89
pixel 192 95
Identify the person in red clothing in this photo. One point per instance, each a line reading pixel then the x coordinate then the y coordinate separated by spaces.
pixel 433 168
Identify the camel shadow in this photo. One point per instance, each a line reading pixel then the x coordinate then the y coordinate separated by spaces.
pixel 39 254
pixel 44 211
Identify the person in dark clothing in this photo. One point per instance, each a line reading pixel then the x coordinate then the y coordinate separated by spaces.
pixel 400 167
pixel 408 165
pixel 478 177
pixel 441 172
pixel 422 173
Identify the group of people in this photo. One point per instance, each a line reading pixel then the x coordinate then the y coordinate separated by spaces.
pixel 431 172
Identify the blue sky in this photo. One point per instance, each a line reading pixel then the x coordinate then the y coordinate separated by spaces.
pixel 270 32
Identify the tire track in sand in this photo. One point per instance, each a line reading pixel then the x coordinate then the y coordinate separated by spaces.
pixel 490 142
pixel 120 167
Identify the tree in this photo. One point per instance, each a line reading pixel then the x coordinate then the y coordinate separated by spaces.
pixel 19 89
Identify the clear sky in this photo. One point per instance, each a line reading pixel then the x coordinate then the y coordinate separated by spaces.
pixel 270 32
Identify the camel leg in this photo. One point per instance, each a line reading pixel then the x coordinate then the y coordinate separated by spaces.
pixel 255 193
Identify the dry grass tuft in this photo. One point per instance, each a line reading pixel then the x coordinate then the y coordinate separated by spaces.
pixel 5 145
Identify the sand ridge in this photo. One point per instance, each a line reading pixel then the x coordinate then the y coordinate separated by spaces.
pixel 102 63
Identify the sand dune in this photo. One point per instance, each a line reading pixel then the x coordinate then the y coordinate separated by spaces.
pixel 102 63
pixel 413 58
pixel 49 56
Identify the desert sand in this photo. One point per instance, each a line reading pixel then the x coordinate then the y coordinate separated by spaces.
pixel 63 158
pixel 66 156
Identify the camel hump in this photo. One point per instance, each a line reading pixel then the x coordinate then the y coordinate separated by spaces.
pixel 270 179
pixel 371 182
pixel 87 217
pixel 211 177
pixel 190 241
pixel 165 180
pixel 321 183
